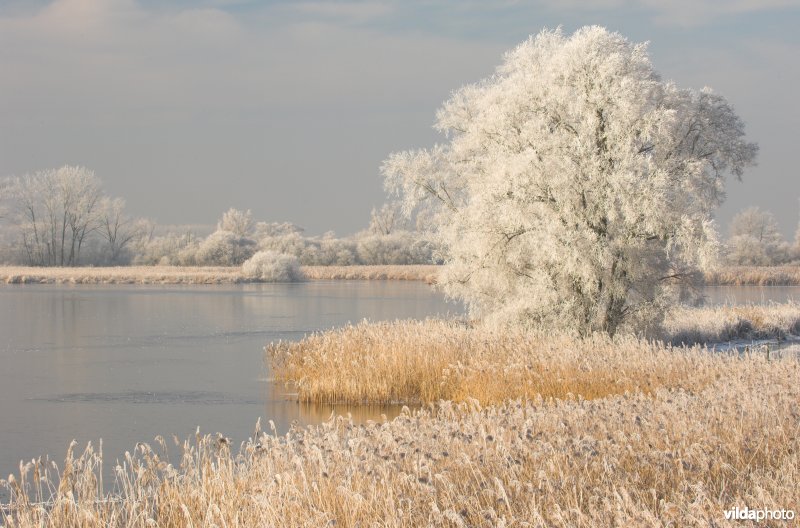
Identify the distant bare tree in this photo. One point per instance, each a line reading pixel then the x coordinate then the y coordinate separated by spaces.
pixel 756 239
pixel 276 229
pixel 54 211
pixel 5 194
pixel 119 230
pixel 237 222
pixel 384 221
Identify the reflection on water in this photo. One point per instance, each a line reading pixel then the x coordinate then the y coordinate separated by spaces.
pixel 127 363
pixel 163 397
pixel 316 413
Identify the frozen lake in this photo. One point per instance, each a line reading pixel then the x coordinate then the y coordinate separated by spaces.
pixel 127 363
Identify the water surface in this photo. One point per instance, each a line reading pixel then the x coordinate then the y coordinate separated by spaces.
pixel 126 363
pixel 751 294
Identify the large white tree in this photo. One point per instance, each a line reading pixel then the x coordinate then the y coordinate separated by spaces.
pixel 576 188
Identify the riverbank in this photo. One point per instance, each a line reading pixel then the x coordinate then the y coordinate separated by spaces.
pixel 200 275
pixel 729 276
pixel 658 436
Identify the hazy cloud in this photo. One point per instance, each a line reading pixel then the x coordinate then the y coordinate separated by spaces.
pixel 187 108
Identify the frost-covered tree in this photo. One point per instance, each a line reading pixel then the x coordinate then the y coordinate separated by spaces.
pixel 225 248
pixel 576 188
pixel 276 229
pixel 120 231
pixel 746 250
pixel 168 250
pixel 237 222
pixel 759 224
pixel 54 212
pixel 796 248
pixel 386 220
pixel 5 192
pixel 755 239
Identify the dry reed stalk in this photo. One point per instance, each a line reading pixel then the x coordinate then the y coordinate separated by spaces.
pixel 423 362
pixel 676 457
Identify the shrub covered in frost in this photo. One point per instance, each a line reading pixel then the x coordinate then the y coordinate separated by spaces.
pixel 225 248
pixel 401 247
pixel 168 250
pixel 269 266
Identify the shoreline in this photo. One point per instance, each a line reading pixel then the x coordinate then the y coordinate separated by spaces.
pixel 202 275
pixel 728 276
pixel 666 432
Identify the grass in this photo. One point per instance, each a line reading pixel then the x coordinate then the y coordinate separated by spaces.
pixel 673 457
pixel 200 275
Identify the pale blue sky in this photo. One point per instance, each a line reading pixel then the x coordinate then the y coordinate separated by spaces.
pixel 187 108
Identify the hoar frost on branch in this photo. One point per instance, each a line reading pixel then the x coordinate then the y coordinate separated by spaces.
pixel 577 187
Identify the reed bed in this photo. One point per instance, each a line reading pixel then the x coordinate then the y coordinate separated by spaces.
pixel 414 362
pixel 754 276
pixel 413 272
pixel 122 275
pixel 674 457
pixel 202 275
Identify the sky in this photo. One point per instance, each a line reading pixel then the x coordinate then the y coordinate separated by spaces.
pixel 288 108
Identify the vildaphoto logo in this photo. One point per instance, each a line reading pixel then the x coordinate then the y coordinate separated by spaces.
pixel 746 514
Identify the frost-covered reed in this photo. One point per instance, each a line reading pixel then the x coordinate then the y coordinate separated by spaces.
pixel 428 361
pixel 121 275
pixel 423 362
pixel 202 275
pixel 674 457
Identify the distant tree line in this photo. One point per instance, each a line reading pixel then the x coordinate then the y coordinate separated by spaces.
pixel 62 217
